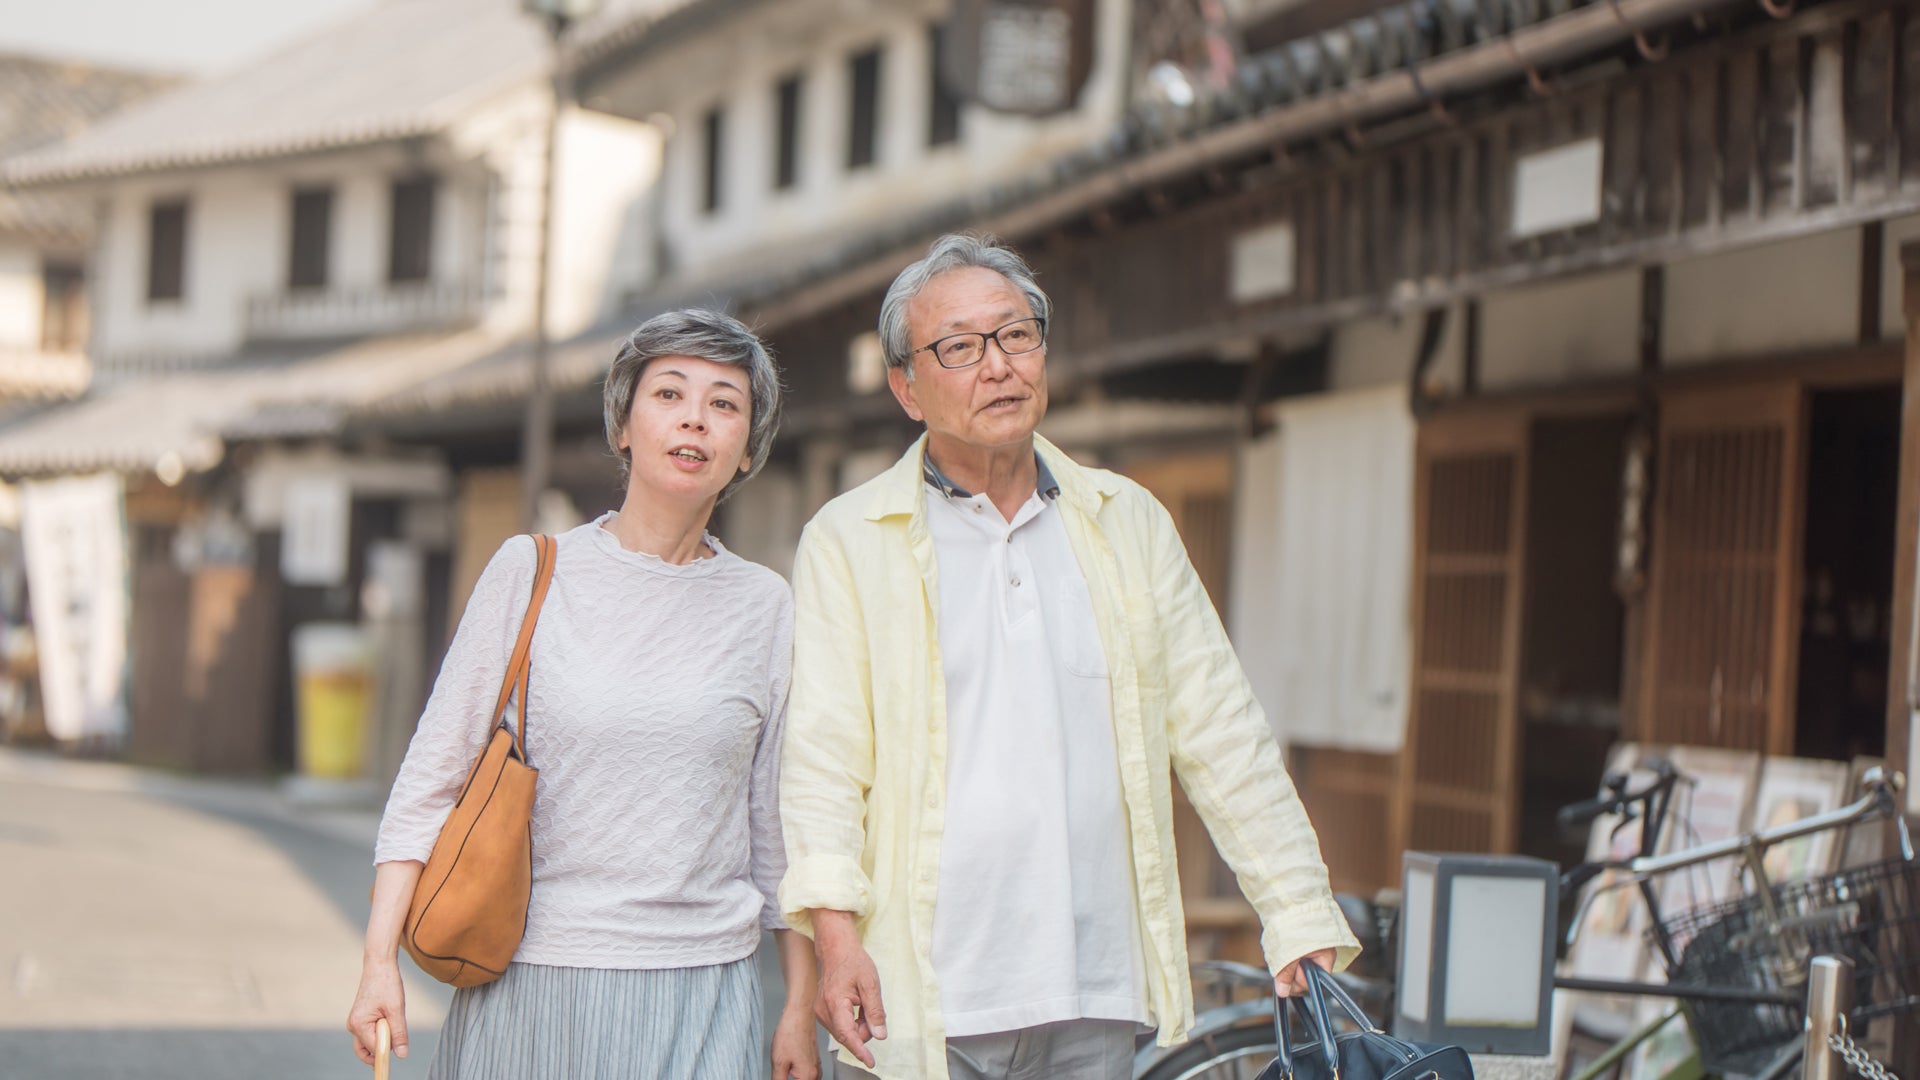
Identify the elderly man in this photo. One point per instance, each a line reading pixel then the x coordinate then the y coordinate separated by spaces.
pixel 998 654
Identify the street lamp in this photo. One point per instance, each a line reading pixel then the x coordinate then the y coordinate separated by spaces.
pixel 536 440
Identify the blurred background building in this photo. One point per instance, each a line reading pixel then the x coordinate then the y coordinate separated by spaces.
pixel 1524 377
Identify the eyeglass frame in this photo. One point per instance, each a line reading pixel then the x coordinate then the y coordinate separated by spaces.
pixel 991 335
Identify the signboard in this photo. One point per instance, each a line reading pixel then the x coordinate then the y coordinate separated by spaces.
pixel 1029 57
pixel 75 541
pixel 315 509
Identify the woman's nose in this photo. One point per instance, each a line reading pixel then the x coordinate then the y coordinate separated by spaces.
pixel 693 423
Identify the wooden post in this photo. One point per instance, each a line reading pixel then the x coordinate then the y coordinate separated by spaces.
pixel 1900 689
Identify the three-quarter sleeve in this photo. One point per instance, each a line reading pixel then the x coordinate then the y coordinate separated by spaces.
pixel 769 858
pixel 455 726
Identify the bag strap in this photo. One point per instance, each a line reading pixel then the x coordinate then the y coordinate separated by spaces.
pixel 1314 1008
pixel 520 667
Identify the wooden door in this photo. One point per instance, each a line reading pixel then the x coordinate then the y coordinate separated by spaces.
pixel 1459 782
pixel 1722 640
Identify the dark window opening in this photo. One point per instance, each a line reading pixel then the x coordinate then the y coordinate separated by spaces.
pixel 863 129
pixel 63 317
pixel 1853 471
pixel 312 225
pixel 786 168
pixel 410 254
pixel 716 133
pixel 943 120
pixel 167 250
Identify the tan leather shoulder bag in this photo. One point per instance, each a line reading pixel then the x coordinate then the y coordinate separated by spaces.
pixel 470 909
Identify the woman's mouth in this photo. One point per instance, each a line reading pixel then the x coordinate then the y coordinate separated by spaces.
pixel 688 454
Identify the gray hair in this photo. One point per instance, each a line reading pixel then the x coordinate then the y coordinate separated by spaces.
pixel 703 335
pixel 954 251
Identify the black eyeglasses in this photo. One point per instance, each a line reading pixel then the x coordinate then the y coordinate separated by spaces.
pixel 969 348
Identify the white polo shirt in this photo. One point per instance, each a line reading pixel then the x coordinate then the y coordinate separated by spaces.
pixel 1033 921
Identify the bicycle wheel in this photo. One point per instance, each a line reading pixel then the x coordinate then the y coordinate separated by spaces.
pixel 1234 1054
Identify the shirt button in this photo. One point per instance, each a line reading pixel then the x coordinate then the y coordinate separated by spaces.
pixel 933 801
pixel 1016 583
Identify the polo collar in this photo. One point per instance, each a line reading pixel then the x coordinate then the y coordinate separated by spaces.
pixel 936 479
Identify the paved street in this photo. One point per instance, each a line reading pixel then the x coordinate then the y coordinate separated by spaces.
pixel 154 927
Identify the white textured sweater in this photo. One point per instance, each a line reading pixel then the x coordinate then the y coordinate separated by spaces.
pixel 658 697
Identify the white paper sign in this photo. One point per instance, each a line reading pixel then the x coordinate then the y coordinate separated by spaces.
pixel 74 535
pixel 315 510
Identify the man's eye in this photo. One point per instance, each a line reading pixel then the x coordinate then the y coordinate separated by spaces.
pixel 956 348
pixel 1018 334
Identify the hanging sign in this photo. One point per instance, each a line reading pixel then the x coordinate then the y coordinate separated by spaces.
pixel 1029 57
pixel 75 541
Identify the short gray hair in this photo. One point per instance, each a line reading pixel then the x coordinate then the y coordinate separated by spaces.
pixel 703 335
pixel 954 251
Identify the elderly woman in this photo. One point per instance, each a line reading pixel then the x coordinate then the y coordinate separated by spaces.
pixel 660 670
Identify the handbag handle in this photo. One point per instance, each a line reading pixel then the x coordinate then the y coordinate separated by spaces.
pixel 1313 1006
pixel 520 667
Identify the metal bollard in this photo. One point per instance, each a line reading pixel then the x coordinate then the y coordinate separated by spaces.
pixel 1829 996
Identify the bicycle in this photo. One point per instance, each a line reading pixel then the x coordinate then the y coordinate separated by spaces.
pixel 1737 968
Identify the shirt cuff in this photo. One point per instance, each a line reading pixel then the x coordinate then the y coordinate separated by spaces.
pixel 833 882
pixel 1307 929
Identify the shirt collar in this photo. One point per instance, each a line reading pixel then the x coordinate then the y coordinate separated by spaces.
pixel 1044 482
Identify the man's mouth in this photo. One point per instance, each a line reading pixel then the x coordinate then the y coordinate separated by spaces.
pixel 1003 403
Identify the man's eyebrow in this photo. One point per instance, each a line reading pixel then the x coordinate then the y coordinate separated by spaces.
pixel 1006 316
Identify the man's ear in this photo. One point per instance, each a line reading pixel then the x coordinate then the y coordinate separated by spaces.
pixel 902 387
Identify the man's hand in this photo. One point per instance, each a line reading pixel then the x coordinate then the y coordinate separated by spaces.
pixel 849 1001
pixel 1292 980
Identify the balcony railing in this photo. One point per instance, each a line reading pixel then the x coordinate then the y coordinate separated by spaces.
pixel 381 309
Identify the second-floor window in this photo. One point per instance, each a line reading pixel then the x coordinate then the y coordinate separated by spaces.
pixel 167 250
pixel 943 117
pixel 63 318
pixel 786 156
pixel 410 250
pixel 312 226
pixel 714 136
pixel 863 127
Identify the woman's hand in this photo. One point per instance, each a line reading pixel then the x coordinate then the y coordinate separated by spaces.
pixel 796 1050
pixel 380 994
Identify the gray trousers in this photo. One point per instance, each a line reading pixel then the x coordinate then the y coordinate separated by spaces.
pixel 1069 1050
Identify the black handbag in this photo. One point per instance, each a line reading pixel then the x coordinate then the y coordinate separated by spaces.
pixel 1364 1054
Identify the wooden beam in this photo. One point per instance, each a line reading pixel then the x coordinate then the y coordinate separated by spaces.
pixel 1900 671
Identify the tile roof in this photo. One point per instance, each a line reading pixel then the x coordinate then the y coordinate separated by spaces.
pixel 404 68
pixel 43 100
pixel 133 425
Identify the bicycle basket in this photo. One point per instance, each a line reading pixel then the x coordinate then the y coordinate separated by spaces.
pixel 1869 914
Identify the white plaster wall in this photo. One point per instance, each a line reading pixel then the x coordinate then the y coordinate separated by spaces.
pixel 741 68
pixel 234 248
pixel 1381 350
pixel 1893 323
pixel 1799 294
pixel 22 296
pixel 1563 331
pixel 602 239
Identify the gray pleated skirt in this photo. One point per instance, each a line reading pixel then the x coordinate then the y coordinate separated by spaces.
pixel 539 1022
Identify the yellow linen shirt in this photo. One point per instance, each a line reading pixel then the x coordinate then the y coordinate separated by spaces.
pixel 863 777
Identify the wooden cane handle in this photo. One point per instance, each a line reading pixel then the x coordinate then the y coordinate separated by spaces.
pixel 382 1048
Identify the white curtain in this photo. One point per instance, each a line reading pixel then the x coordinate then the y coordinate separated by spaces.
pixel 1322 569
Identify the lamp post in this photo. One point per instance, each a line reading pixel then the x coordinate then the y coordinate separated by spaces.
pixel 536 437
